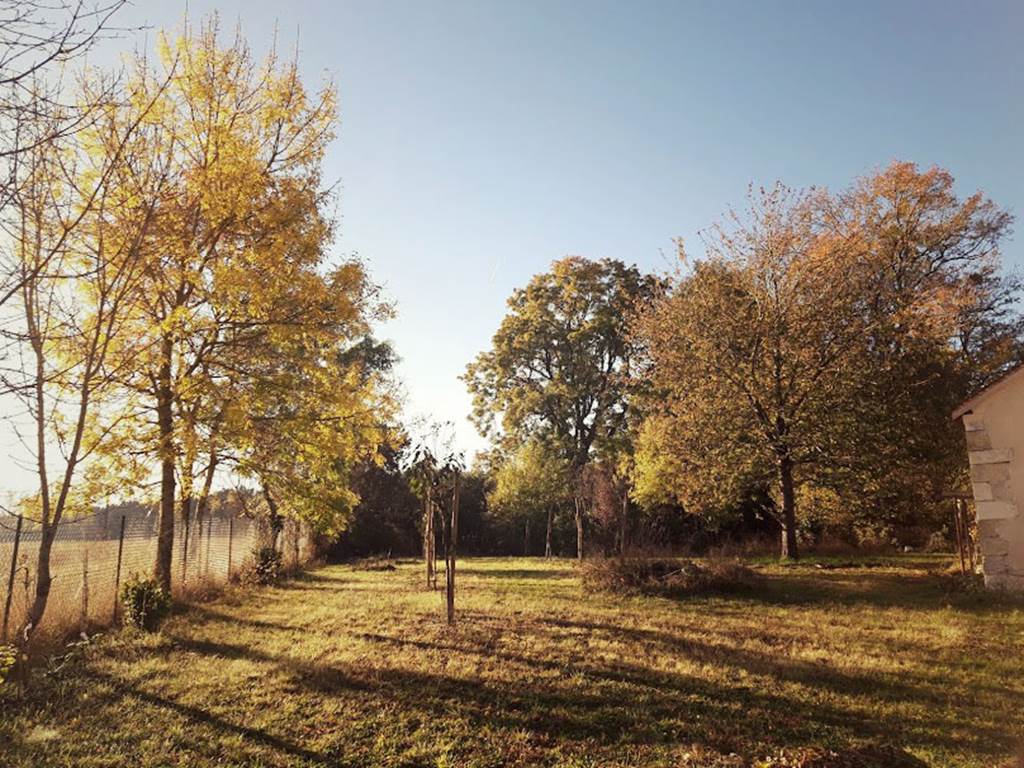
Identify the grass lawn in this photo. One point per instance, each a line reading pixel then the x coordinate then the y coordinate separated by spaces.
pixel 357 668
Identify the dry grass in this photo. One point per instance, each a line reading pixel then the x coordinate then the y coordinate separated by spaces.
pixel 70 559
pixel 83 593
pixel 842 667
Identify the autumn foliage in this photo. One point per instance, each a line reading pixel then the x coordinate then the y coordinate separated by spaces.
pixel 820 345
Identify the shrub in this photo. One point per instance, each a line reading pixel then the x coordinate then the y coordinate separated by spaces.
pixel 145 603
pixel 667 577
pixel 8 658
pixel 938 542
pixel 266 568
pixel 375 564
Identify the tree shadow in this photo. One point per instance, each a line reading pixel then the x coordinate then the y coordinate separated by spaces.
pixel 570 692
pixel 544 707
pixel 524 574
pixel 914 591
pixel 203 717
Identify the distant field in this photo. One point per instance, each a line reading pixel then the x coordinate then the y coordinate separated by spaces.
pixel 355 668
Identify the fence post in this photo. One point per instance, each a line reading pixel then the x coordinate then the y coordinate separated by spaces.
pixel 184 546
pixel 83 621
pixel 209 539
pixel 10 579
pixel 117 570
pixel 231 537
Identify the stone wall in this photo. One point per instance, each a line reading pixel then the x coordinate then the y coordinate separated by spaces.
pixel 999 524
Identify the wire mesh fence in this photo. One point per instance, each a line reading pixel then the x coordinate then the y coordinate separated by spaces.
pixel 92 556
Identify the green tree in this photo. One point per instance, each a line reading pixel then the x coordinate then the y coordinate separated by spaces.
pixel 529 486
pixel 560 362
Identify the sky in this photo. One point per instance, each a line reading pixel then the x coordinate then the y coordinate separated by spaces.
pixel 480 141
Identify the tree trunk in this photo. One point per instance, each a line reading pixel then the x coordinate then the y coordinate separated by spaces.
pixel 579 528
pixel 165 423
pixel 186 522
pixel 200 505
pixel 789 547
pixel 526 539
pixel 275 518
pixel 453 533
pixel 547 534
pixel 44 581
pixel 428 537
pixel 204 498
pixel 624 532
pixel 446 545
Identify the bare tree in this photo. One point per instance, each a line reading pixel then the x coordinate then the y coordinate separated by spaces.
pixel 40 103
pixel 78 269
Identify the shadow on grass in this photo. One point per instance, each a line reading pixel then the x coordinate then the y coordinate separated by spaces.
pixel 726 717
pixel 740 700
pixel 523 574
pixel 930 694
pixel 203 717
pixel 927 591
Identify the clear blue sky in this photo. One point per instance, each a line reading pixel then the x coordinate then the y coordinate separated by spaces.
pixel 480 140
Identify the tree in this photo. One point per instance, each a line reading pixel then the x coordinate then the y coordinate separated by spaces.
pixel 243 142
pixel 753 358
pixel 438 481
pixel 388 515
pixel 945 323
pixel 605 491
pixel 820 346
pixel 40 107
pixel 530 485
pixel 560 361
pixel 78 269
pixel 310 411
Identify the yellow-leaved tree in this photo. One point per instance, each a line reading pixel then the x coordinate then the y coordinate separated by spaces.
pixel 240 230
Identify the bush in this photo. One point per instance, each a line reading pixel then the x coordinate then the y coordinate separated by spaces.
pixel 145 603
pixel 266 568
pixel 667 577
pixel 375 564
pixel 938 542
pixel 8 658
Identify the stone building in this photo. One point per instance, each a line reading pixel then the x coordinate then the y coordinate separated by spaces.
pixel 994 425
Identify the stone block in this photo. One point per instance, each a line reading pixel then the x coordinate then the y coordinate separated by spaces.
pixel 995 456
pixel 995 529
pixel 983 492
pixel 1010 582
pixel 994 546
pixel 989 473
pixel 978 440
pixel 973 422
pixel 997 565
pixel 995 510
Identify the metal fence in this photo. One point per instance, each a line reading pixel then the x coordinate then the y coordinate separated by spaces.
pixel 92 556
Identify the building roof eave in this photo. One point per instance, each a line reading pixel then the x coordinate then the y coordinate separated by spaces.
pixel 968 405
